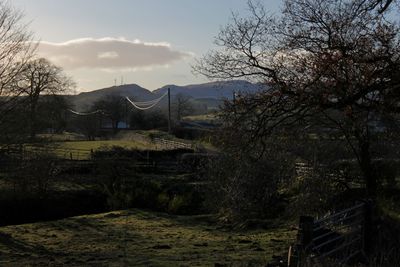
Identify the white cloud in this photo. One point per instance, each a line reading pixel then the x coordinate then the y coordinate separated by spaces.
pixel 110 54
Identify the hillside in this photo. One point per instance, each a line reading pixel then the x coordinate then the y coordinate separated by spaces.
pixel 84 100
pixel 215 90
pixel 207 93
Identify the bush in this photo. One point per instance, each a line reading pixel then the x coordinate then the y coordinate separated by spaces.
pixel 244 188
pixel 35 175
pixel 179 203
pixel 144 193
pixel 113 176
pixel 120 179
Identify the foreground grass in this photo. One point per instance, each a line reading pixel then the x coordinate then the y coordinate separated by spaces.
pixel 136 238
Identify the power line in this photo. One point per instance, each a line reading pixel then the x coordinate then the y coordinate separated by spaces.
pixel 169 110
pixel 85 113
pixel 147 104
pixel 144 105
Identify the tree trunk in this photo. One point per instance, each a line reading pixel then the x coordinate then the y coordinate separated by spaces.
pixel 32 122
pixel 114 124
pixel 368 170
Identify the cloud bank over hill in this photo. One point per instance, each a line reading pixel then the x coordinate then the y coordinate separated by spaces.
pixel 110 54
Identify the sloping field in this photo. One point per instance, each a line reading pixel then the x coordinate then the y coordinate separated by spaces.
pixel 136 238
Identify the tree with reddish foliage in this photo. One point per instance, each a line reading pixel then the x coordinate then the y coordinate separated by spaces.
pixel 329 65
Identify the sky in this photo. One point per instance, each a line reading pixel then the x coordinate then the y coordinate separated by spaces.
pixel 152 43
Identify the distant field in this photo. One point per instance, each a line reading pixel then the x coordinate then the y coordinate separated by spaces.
pixel 81 149
pixel 65 136
pixel 95 145
pixel 204 117
pixel 137 238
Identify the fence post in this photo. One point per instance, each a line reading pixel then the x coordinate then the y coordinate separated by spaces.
pixel 21 151
pixel 292 257
pixel 304 238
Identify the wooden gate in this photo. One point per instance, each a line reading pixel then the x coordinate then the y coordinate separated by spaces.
pixel 336 238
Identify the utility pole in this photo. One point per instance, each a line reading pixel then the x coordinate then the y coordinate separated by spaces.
pixel 126 114
pixel 234 102
pixel 169 110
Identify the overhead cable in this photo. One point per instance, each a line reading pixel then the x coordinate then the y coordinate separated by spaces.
pixel 147 104
pixel 85 113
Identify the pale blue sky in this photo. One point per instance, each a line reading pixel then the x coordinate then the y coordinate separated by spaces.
pixel 187 26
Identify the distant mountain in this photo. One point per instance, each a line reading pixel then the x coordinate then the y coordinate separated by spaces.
pixel 216 90
pixel 207 93
pixel 84 100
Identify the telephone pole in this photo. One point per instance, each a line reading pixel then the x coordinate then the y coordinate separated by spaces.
pixel 169 110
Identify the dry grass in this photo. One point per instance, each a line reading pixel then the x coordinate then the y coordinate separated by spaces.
pixel 136 238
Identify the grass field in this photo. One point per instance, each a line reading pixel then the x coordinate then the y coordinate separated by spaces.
pixel 65 136
pixel 95 145
pixel 81 149
pixel 204 117
pixel 137 238
pixel 69 145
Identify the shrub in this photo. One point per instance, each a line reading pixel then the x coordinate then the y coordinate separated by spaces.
pixel 179 203
pixel 35 175
pixel 242 188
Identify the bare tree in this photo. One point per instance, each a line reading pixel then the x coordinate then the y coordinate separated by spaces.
pixel 334 65
pixel 381 5
pixel 182 106
pixel 113 107
pixel 89 125
pixel 40 77
pixel 16 48
pixel 52 113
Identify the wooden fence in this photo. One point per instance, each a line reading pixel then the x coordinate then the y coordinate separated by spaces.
pixel 171 144
pixel 31 151
pixel 334 239
pixel 161 142
pixel 34 151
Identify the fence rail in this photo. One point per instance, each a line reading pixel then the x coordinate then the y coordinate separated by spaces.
pixel 31 151
pixel 171 144
pixel 163 143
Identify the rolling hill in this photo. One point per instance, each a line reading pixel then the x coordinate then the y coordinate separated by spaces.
pixel 212 92
pixel 84 100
